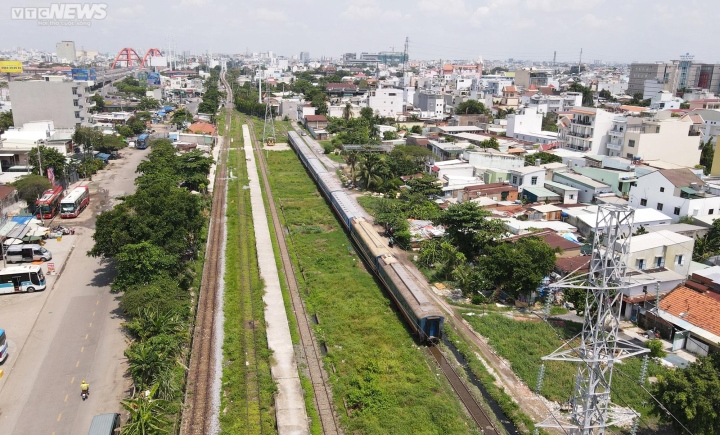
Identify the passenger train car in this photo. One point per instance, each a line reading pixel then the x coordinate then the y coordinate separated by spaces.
pixel 424 318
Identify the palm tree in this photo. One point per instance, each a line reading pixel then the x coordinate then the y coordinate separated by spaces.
pixel 147 414
pixel 144 363
pixel 347 111
pixel 152 322
pixel 370 170
pixel 352 158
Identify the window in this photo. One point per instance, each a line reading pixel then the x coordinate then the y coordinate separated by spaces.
pixel 660 206
pixel 631 143
pixel 533 181
pixel 77 114
pixel 679 260
pixel 74 90
pixel 677 211
pixel 640 263
pixel 659 262
pixel 643 202
pixel 515 179
pixel 662 189
pixel 572 196
pixel 629 156
pixel 711 211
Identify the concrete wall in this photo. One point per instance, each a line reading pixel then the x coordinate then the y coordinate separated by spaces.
pixel 671 144
pixel 54 101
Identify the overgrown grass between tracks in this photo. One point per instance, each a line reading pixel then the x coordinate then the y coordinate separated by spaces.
pixel 248 387
pixel 375 367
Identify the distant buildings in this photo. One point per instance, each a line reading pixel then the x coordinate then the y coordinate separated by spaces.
pixel 65 51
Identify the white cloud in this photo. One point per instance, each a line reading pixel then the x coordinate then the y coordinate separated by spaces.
pixel 369 10
pixel 560 6
pixel 453 8
pixel 592 21
pixel 269 16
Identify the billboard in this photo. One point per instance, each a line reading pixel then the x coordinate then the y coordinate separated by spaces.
pixel 10 66
pixel 84 74
pixel 158 61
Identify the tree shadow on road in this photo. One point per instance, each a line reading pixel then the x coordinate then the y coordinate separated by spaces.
pixel 105 274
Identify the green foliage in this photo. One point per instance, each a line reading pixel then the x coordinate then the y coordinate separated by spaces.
pixel 707 155
pixel 416 129
pixel 692 395
pixel 146 414
pixel 137 263
pixel 6 121
pixel 99 103
pixel 532 260
pixel 212 96
pixel 50 158
pixel 490 143
pixel 471 107
pixel 163 292
pixel 131 86
pixel 588 99
pixel 390 135
pixel 502 113
pixel 637 100
pixel 111 143
pixel 467 228
pixel 544 157
pixel 708 245
pixel 124 131
pixel 549 122
pixel 408 159
pixel 656 348
pixel 148 103
pixel 180 117
pixel 30 187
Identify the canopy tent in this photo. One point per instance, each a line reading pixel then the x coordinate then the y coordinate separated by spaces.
pixel 12 241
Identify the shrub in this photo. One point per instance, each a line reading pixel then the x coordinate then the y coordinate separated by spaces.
pixel 656 348
pixel 478 299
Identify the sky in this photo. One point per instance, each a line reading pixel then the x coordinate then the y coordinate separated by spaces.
pixel 609 30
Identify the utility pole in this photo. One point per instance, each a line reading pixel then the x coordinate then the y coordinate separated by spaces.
pixel 580 62
pixel 40 161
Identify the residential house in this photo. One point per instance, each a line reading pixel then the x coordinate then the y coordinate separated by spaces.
pixel 585 218
pixel 564 248
pixel 643 288
pixel 588 188
pixel 494 191
pixel 661 248
pixel 8 198
pixel 483 158
pixel 706 103
pixel 688 230
pixel 455 167
pixel 316 122
pixel 16 143
pixel 493 175
pixel 448 150
pixel 585 129
pixel 551 103
pixel 532 194
pixel 690 319
pixel 510 99
pixel 431 104
pixel 568 194
pixel 462 120
pixel 619 181
pixel 64 102
pixel 527 176
pixel 677 192
pixel 545 212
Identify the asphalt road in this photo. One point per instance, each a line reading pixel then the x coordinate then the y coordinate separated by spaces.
pixel 75 333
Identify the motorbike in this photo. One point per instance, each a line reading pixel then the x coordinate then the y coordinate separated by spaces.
pixel 84 394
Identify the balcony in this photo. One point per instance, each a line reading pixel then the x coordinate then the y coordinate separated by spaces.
pixel 581 122
pixel 614 146
pixel 578 135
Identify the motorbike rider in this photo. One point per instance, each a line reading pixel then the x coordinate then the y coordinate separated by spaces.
pixel 85 387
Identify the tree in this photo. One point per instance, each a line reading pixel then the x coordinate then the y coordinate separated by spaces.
pixel 136 125
pixel 347 111
pixel 708 245
pixel 408 159
pixel 707 155
pixel 136 264
pixel 367 114
pixel 490 143
pixel 416 129
pixel 372 168
pixel 111 143
pixel 532 260
pixel 89 138
pixel 30 187
pixel 471 107
pixel 423 188
pixel 147 414
pixel 588 98
pixel 124 131
pixel 6 121
pixel 692 395
pixel 467 228
pixel 544 157
pixel 180 117
pixel 49 158
pixel 549 122
pixel 152 321
pixel 99 103
pixel 352 158
pixel 390 135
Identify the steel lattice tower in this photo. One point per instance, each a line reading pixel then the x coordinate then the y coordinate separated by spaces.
pixel 269 126
pixel 597 348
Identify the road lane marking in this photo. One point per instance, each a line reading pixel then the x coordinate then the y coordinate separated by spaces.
pixel 82 349
pixel 77 364
pixel 66 398
pixel 59 416
pixel 72 380
pixel 86 336
pixel 93 313
pixel 90 326
pixel 98 302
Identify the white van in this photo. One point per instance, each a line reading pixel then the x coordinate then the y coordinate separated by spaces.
pixel 25 253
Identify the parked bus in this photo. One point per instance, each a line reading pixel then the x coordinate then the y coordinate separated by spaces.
pixel 48 205
pixel 142 141
pixel 21 279
pixel 3 346
pixel 74 202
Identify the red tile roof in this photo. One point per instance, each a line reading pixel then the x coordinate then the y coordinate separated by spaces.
pixel 202 127
pixel 5 191
pixel 570 264
pixel 315 118
pixel 697 308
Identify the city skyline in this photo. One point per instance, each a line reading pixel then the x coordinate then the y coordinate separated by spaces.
pixel 611 31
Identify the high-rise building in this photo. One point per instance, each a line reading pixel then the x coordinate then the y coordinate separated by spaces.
pixel 304 56
pixel 664 72
pixel 65 51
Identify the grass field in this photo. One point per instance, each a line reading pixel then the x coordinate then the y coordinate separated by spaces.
pixel 383 382
pixel 248 387
pixel 523 343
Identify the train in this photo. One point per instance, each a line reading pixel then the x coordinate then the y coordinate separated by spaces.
pixel 423 317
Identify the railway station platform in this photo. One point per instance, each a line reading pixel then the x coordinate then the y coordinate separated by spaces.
pixel 290 398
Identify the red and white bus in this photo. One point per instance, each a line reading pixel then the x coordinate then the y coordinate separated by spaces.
pixel 74 202
pixel 49 203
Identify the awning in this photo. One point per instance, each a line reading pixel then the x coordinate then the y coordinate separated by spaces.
pixel 18 232
pixel 7 155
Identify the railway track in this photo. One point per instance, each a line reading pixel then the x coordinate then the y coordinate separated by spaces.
pixel 198 413
pixel 310 348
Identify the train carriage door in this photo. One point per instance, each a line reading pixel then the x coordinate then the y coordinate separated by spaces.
pixel 431 328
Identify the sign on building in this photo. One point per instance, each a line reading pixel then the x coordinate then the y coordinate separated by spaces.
pixel 11 66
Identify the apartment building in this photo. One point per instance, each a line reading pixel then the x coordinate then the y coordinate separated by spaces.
pixel 663 137
pixel 430 103
pixel 60 100
pixel 387 102
pixel 585 129
pixel 489 158
pixel 527 176
pixel 553 103
pixel 587 188
pixel 65 51
pixel 664 72
pixel 525 78
pixel 662 248
pixel 675 192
